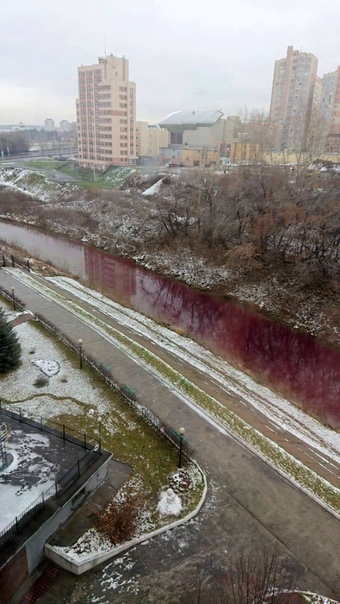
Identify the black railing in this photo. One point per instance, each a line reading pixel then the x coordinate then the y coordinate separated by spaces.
pixel 76 471
pixel 20 522
pixel 93 450
pixel 60 430
pixel 14 261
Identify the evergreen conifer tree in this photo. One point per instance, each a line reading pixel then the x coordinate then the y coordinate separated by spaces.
pixel 10 349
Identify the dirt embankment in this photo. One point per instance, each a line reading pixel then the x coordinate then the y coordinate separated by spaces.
pixel 312 310
pixel 129 226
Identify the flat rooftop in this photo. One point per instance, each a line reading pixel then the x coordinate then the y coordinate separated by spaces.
pixel 36 459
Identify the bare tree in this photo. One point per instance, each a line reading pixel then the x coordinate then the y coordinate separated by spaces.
pixel 174 209
pixel 250 576
pixel 13 143
pixel 201 581
pixel 256 577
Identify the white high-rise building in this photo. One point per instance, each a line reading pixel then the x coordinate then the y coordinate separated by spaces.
pixel 49 124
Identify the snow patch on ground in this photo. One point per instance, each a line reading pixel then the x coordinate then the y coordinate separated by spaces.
pixel 154 189
pixel 49 368
pixel 68 387
pixel 35 184
pixel 312 598
pixel 17 494
pixel 91 542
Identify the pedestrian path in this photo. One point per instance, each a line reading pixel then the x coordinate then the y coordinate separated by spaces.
pixel 320 462
pixel 22 318
pixel 260 496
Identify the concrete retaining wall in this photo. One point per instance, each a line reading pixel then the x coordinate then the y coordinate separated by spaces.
pixel 92 560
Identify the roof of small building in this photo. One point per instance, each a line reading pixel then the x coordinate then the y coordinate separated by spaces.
pixel 186 117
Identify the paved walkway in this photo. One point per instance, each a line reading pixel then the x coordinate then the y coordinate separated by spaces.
pixel 248 501
pixel 323 464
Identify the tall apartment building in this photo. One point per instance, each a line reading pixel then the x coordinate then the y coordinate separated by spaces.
pixel 106 114
pixel 292 97
pixel 329 108
pixel 334 130
pixel 328 89
pixel 49 124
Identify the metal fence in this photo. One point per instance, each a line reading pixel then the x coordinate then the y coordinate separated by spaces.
pixel 22 520
pixel 76 471
pixel 60 484
pixel 13 261
pixel 62 431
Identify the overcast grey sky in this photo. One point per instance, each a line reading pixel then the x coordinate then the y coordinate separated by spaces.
pixel 184 54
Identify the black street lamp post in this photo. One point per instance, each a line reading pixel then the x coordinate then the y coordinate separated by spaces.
pixel 13 299
pixel 80 343
pixel 100 433
pixel 181 432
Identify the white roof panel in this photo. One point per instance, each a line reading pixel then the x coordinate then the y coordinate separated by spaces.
pixel 182 117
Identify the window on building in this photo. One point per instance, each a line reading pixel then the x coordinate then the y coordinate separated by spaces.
pixel 176 138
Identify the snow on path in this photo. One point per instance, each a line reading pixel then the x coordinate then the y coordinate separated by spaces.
pixel 278 410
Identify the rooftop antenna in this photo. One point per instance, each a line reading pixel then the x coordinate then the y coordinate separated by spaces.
pixel 105 48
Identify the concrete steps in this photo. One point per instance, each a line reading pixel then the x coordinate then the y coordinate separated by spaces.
pixel 41 585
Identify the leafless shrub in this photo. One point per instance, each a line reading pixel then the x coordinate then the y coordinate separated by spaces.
pixel 41 381
pixel 118 522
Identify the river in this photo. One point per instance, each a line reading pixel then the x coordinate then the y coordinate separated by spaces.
pixel 297 365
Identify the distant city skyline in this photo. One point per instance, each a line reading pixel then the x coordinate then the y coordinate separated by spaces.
pixel 182 55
